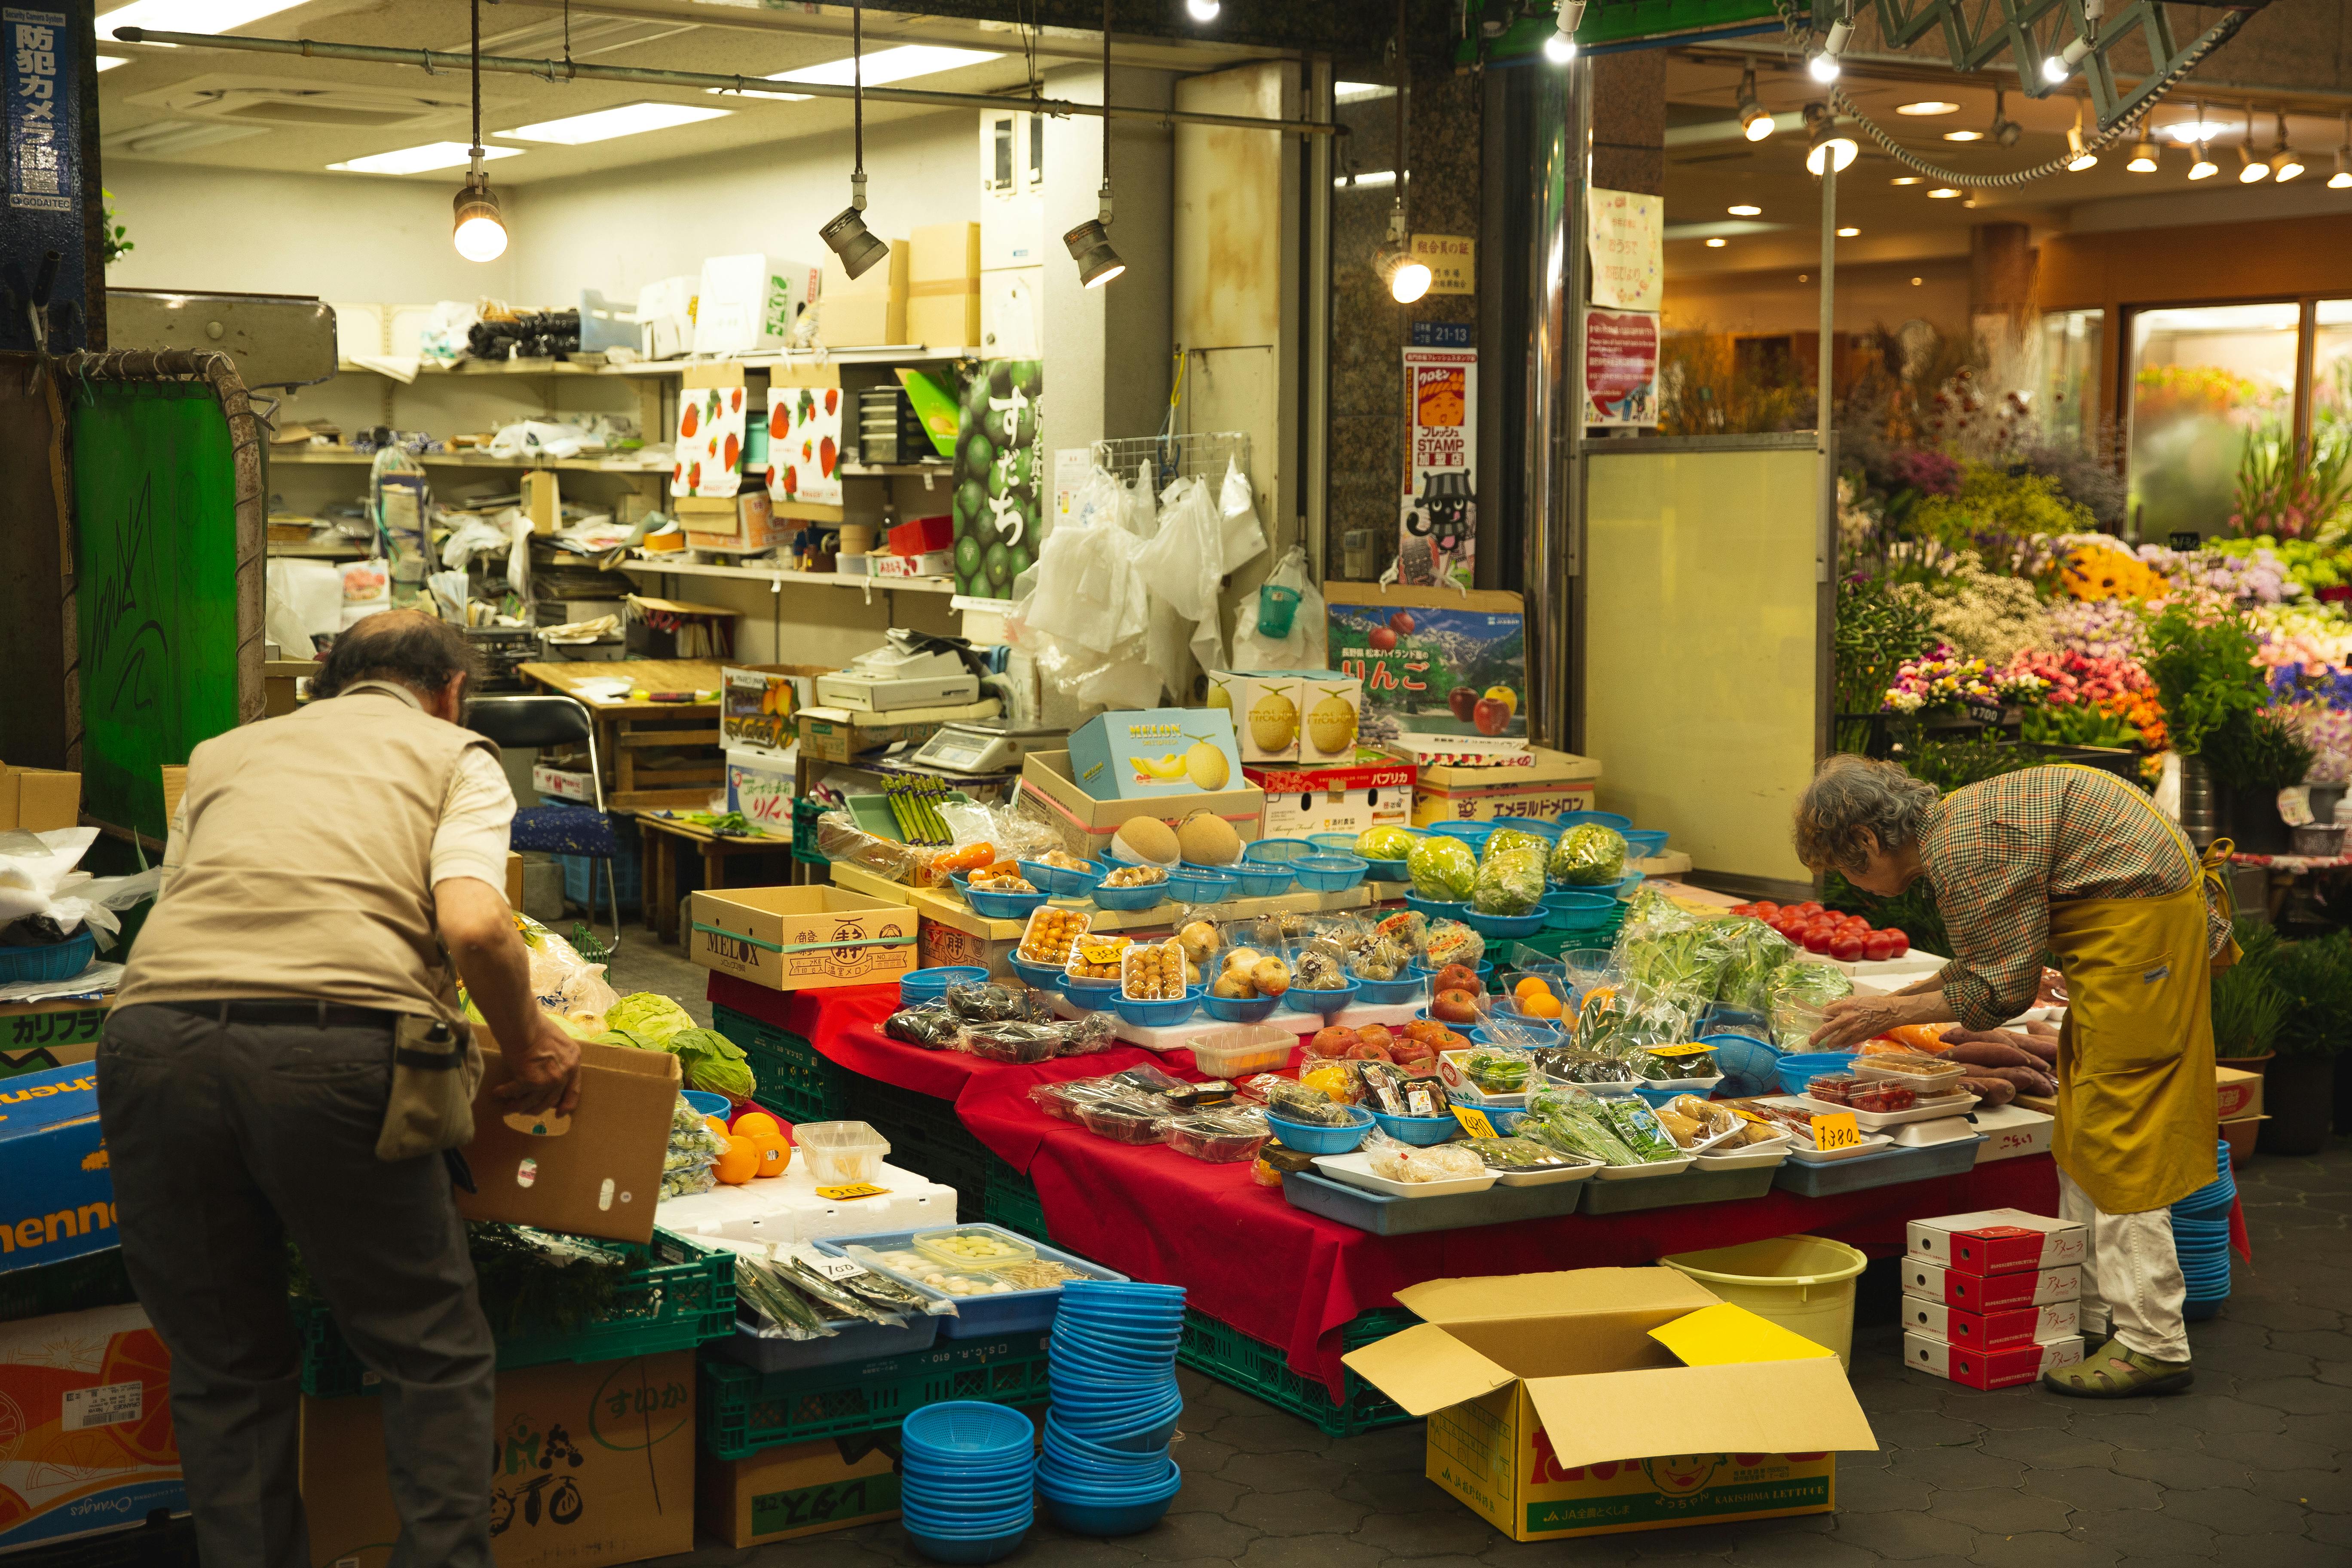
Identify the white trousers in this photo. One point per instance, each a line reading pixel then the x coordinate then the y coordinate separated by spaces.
pixel 2131 1274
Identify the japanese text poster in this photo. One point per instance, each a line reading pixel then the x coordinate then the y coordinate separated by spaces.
pixel 1438 542
pixel 1626 242
pixel 997 477
pixel 1621 368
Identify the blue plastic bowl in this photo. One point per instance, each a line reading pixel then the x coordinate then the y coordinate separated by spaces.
pixel 709 1104
pixel 1327 1003
pixel 1620 890
pixel 1072 1448
pixel 1200 884
pixel 1062 882
pixel 1386 870
pixel 1331 873
pixel 1151 1014
pixel 931 984
pixel 1127 1351
pixel 991 905
pixel 960 1431
pixel 1334 843
pixel 1749 1066
pixel 57 961
pixel 1579 910
pixel 1156 1478
pixel 1606 818
pixel 1239 1009
pixel 1505 925
pixel 953 1519
pixel 1474 834
pixel 1141 898
pixel 1045 976
pixel 1800 1068
pixel 1255 879
pixel 1281 851
pixel 1437 908
pixel 1312 1139
pixel 961 1550
pixel 1390 993
pixel 1643 842
pixel 1095 996
pixel 1422 1130
pixel 1542 827
pixel 928 1496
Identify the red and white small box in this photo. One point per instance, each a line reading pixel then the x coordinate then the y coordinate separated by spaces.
pixel 1996 1241
pixel 2003 1368
pixel 1982 1294
pixel 1992 1331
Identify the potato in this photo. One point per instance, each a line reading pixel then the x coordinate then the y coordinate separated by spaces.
pixel 1271 976
pixel 1233 985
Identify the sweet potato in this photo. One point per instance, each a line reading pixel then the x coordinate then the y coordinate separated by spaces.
pixel 1992 1091
pixel 1991 1054
pixel 2028 1081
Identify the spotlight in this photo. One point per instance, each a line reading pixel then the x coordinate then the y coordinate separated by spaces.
pixel 2005 130
pixel 1090 248
pixel 2252 171
pixel 2143 156
pixel 1561 47
pixel 2062 64
pixel 1755 119
pixel 846 234
pixel 2204 168
pixel 2078 157
pixel 1405 274
pixel 849 239
pixel 2342 179
pixel 2284 164
pixel 479 233
pixel 1823 64
pixel 1203 10
pixel 1828 146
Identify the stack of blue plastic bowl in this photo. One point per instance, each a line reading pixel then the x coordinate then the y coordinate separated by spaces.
pixel 2200 1235
pixel 968 1480
pixel 1114 1407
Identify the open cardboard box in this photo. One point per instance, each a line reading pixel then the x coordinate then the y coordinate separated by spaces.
pixel 799 939
pixel 1088 823
pixel 1602 1400
pixel 594 1173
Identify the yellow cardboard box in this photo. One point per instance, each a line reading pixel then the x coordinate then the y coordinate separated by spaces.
pixel 1553 784
pixel 806 1489
pixel 1603 1400
pixel 1088 823
pixel 866 311
pixel 39 799
pixel 801 939
pixel 943 285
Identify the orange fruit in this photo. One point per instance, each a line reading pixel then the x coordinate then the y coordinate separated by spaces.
pixel 718 1124
pixel 776 1154
pixel 1530 983
pixel 1540 1005
pixel 1599 996
pixel 739 1164
pixel 757 1124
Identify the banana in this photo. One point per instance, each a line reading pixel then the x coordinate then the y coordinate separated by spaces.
pixel 1169 767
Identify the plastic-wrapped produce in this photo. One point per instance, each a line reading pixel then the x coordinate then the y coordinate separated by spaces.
pixel 1443 868
pixel 1510 874
pixel 1588 855
pixel 1757 951
pixel 1384 844
pixel 1796 994
pixel 932 1027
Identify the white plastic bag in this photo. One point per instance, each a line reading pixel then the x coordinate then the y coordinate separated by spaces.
pixel 1305 646
pixel 1245 536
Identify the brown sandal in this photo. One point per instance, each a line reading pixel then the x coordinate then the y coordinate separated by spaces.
pixel 2112 1371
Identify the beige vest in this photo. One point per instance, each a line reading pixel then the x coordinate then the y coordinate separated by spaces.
pixel 306 869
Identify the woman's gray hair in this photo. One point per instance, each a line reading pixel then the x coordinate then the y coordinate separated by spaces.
pixel 1850 794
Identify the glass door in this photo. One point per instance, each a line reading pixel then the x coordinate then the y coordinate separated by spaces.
pixel 2213 387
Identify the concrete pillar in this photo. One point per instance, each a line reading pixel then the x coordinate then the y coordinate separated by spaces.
pixel 2001 268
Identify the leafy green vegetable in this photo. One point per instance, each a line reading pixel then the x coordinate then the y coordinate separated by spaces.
pixel 1511 878
pixel 1588 855
pixel 1798 993
pixel 1757 950
pixel 648 1017
pixel 1443 868
pixel 1384 844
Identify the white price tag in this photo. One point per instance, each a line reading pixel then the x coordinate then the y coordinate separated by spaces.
pixel 835 1267
pixel 109 1404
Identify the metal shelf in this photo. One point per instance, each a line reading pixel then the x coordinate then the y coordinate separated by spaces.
pixel 785 574
pixel 902 354
pixel 343 456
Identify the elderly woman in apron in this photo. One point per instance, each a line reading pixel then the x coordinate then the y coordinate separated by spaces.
pixel 2080 864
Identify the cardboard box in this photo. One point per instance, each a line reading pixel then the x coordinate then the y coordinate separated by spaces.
pixel 845 734
pixel 57 1195
pixel 942 943
pixel 39 799
pixel 1989 1369
pixel 514 879
pixel 2012 1132
pixel 943 286
pixel 594 1463
pixel 1375 790
pixel 2237 1093
pixel 1306 716
pixel 1996 1241
pixel 803 1488
pixel 747 304
pixel 803 939
pixel 37 1035
pixel 1992 1331
pixel 666 317
pixel 1551 783
pixel 757 703
pixel 564 783
pixel 1154 753
pixel 1428 656
pixel 86 1439
pixel 868 311
pixel 762 788
pixel 1604 1400
pixel 594 1173
pixel 543 500
pixel 745 522
pixel 929 564
pixel 1088 823
pixel 1990 1292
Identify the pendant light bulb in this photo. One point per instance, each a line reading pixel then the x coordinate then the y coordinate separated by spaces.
pixel 2057 68
pixel 2143 156
pixel 478 231
pixel 1755 119
pixel 2284 164
pixel 2204 168
pixel 1203 10
pixel 2342 179
pixel 2079 158
pixel 1559 48
pixel 1406 276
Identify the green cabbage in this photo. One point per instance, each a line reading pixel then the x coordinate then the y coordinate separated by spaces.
pixel 1384 843
pixel 1588 855
pixel 721 1075
pixel 1511 877
pixel 651 1018
pixel 1443 868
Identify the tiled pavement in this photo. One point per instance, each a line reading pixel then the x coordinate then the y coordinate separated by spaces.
pixel 2247 1469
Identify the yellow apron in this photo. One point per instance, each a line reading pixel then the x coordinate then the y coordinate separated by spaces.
pixel 2137 1118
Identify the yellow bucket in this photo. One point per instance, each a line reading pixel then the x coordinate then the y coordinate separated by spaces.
pixel 1804 1283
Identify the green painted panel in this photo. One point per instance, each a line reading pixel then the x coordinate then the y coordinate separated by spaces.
pixel 155 499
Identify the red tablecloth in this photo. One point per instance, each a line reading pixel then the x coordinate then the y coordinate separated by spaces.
pixel 1280 1274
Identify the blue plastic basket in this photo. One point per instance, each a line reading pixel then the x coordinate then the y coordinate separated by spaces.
pixel 1044 976
pixel 961 1430
pixel 918 986
pixel 1578 910
pixel 1239 1009
pixel 1254 879
pixel 1474 834
pixel 965 1549
pixel 1334 843
pixel 1309 1139
pixel 1389 992
pixel 706 1104
pixel 1200 884
pixel 1620 890
pixel 1327 1003
pixel 1505 925
pixel 1386 870
pixel 1419 1130
pixel 1643 842
pixel 1801 1067
pixel 1153 1014
pixel 1437 908
pixel 57 961
pixel 1542 827
pixel 1606 818
pixel 1749 1066
pixel 1095 996
pixel 1331 873
pixel 1141 898
pixel 1061 881
pixel 989 904
pixel 1280 851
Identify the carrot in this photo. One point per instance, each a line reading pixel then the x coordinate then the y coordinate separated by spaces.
pixel 1927 1037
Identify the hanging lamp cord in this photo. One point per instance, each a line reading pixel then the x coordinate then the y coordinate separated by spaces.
pixel 1396 161
pixel 857 91
pixel 1105 98
pixel 478 85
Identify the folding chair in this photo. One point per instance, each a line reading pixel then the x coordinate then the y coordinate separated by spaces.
pixel 543 720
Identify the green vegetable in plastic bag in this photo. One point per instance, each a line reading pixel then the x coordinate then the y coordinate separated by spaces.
pixel 1443 868
pixel 712 1062
pixel 1798 994
pixel 1511 877
pixel 1512 840
pixel 1757 951
pixel 1384 843
pixel 650 1017
pixel 1588 855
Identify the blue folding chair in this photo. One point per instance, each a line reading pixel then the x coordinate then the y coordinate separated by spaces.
pixel 543 720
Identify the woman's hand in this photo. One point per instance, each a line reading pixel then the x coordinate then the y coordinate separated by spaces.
pixel 1853 1019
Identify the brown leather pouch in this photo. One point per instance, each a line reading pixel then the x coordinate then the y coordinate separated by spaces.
pixel 435 1068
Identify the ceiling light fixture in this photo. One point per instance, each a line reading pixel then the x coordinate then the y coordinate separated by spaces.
pixel 1089 243
pixel 1906 180
pixel 1848 233
pixel 1746 209
pixel 2342 179
pixel 1828 147
pixel 1942 193
pixel 1928 106
pixel 2252 171
pixel 1716 243
pixel 2204 168
pixel 2060 66
pixel 422 160
pixel 1823 64
pixel 1964 135
pixel 846 236
pixel 604 124
pixel 1203 10
pixel 880 68
pixel 1561 47
pixel 2145 154
pixel 1755 119
pixel 477 230
pixel 2284 164
pixel 1405 274
pixel 2005 130
pixel 2079 158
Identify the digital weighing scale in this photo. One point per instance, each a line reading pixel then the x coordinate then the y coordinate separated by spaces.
pixel 980 749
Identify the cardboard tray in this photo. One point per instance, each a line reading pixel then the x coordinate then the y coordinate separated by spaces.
pixel 1369 1211
pixel 1887 1168
pixel 1671 1192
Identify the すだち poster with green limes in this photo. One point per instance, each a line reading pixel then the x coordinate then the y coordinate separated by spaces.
pixel 997 478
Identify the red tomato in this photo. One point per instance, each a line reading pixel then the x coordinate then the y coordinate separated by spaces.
pixel 1816 939
pixel 1846 945
pixel 1876 948
pixel 1747 911
pixel 1807 908
pixel 1902 943
pixel 1764 909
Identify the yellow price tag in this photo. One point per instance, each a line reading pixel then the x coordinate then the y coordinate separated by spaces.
pixel 1836 1130
pixel 868 1190
pixel 1747 1115
pixel 1689 1050
pixel 1474 1122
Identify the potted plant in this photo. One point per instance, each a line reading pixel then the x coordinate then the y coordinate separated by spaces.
pixel 2248 1005
pixel 2205 674
pixel 2314 980
pixel 2252 756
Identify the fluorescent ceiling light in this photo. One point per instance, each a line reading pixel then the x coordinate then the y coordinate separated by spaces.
pixel 1963 135
pixel 1745 210
pixel 2194 131
pixel 1717 244
pixel 1848 233
pixel 1906 180
pixel 108 62
pixel 1942 193
pixel 1358 92
pixel 1928 106
pixel 421 160
pixel 881 67
pixel 604 124
pixel 1369 177
pixel 189 16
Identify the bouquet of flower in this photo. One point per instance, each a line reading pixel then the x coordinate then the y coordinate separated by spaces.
pixel 2293 634
pixel 2098 628
pixel 1943 679
pixel 2073 677
pixel 2101 572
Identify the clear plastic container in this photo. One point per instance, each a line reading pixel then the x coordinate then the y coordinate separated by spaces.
pixel 1050 932
pixel 1239 1048
pixel 840 1153
pixel 1153 971
pixel 973 1247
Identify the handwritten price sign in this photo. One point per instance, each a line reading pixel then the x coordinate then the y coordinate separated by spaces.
pixel 1836 1129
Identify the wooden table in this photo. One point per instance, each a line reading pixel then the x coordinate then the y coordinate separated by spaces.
pixel 626 729
pixel 665 836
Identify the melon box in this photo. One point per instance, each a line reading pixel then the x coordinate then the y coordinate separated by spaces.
pixel 1149 753
pixel 1309 716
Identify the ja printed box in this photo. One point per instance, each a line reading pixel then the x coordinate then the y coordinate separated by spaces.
pixel 801 938
pixel 806 1489
pixel 1989 1369
pixel 1602 1400
pixel 1995 1241
pixel 57 1195
pixel 1990 1292
pixel 1992 1331
pixel 86 1439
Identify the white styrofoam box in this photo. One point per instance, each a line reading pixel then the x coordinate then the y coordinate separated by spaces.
pixel 1990 1293
pixel 666 317
pixel 762 787
pixel 787 1208
pixel 1989 1369
pixel 1996 1241
pixel 2012 1132
pixel 1992 1331
pixel 565 783
pixel 1013 233
pixel 748 304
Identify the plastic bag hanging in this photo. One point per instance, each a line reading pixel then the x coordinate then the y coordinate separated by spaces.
pixel 1261 639
pixel 1244 534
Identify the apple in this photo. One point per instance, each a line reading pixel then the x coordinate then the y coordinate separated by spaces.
pixel 1382 639
pixel 1504 695
pixel 1454 1007
pixel 1331 1042
pixel 1491 716
pixel 1458 977
pixel 1462 700
pixel 1401 623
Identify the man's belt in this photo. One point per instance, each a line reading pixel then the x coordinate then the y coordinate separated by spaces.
pixel 319 1015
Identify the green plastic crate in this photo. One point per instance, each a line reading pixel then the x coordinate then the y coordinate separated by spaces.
pixel 1012 1202
pixel 795 1080
pixel 744 1411
pixel 1254 1367
pixel 804 846
pixel 678 1297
